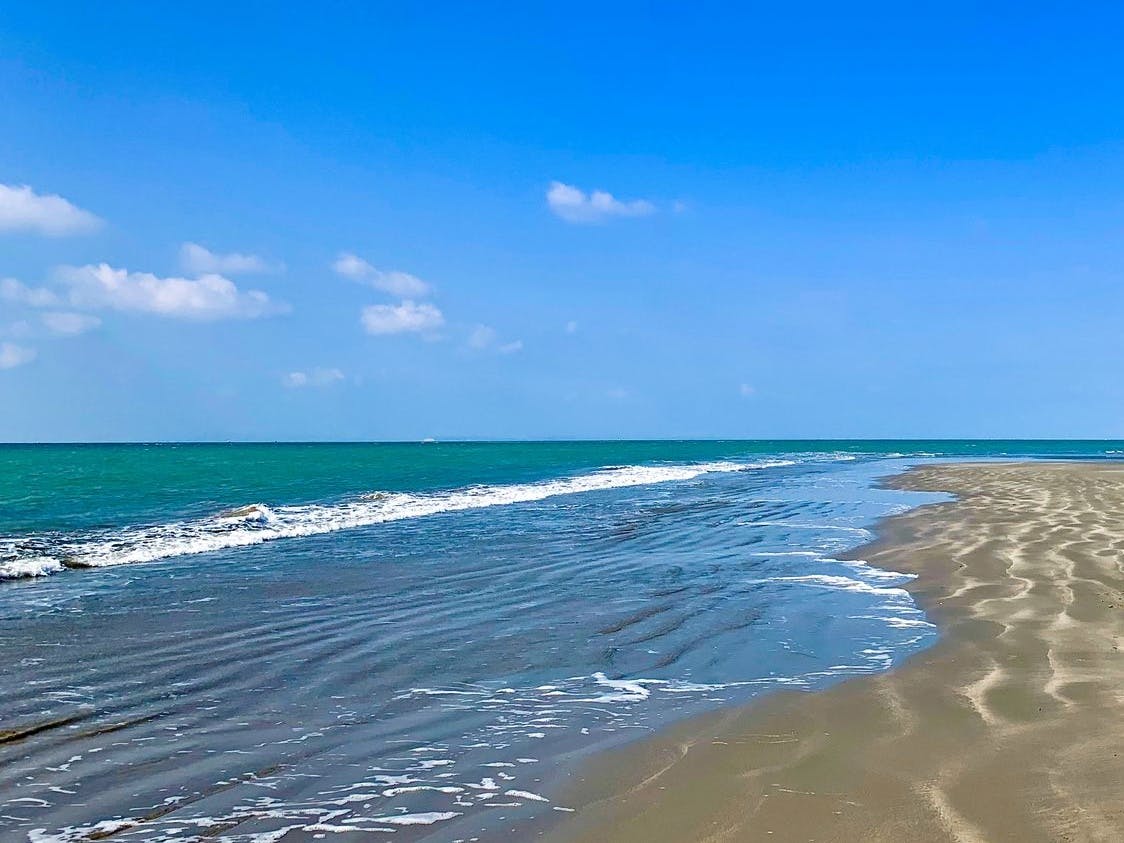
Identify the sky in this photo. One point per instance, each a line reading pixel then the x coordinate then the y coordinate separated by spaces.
pixel 373 221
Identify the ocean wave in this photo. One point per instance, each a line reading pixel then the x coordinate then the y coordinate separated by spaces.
pixel 832 581
pixel 29 566
pixel 36 556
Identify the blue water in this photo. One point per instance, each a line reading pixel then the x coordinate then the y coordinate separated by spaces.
pixel 415 641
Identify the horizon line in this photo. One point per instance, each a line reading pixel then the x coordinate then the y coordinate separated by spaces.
pixel 560 440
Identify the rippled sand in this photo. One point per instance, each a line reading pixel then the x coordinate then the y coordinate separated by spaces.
pixel 1012 728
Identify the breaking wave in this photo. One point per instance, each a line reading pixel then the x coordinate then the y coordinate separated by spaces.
pixel 44 554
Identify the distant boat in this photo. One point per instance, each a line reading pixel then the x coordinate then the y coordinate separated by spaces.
pixel 429 440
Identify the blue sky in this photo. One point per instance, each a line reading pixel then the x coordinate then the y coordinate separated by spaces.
pixel 393 221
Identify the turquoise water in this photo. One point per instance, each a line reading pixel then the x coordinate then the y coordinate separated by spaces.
pixel 253 643
pixel 61 487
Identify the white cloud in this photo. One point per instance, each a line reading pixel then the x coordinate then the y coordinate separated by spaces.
pixel 484 336
pixel 746 390
pixel 15 291
pixel 19 328
pixel 69 324
pixel 201 260
pixel 403 318
pixel 396 283
pixel 575 205
pixel 12 355
pixel 207 297
pixel 22 209
pixel 313 377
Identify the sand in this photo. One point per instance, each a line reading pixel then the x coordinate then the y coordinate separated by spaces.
pixel 1010 728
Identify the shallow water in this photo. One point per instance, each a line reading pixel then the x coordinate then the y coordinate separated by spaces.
pixel 405 653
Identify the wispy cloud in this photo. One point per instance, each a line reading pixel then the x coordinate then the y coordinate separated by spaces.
pixel 65 324
pixel 12 355
pixel 208 297
pixel 482 336
pixel 485 337
pixel 575 205
pixel 313 377
pixel 403 318
pixel 22 209
pixel 201 260
pixel 18 292
pixel 393 281
pixel 20 328
pixel 98 286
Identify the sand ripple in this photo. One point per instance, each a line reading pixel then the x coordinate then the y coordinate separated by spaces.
pixel 1010 729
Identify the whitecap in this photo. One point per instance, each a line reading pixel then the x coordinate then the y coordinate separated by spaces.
pixel 258 523
pixel 30 566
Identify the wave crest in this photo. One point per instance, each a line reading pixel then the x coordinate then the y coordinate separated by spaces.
pixel 257 523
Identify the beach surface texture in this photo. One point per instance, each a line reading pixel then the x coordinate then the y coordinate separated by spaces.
pixel 1010 728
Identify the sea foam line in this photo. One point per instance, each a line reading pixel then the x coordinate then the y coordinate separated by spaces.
pixel 249 525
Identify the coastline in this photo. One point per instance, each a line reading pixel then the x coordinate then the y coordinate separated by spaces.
pixel 1007 729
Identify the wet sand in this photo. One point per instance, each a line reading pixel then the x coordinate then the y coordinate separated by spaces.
pixel 1010 728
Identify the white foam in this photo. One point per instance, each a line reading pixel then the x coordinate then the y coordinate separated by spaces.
pixel 30 566
pixel 772 553
pixel 834 582
pixel 418 788
pixel 865 570
pixel 257 523
pixel 436 762
pixel 897 623
pixel 426 818
pixel 623 690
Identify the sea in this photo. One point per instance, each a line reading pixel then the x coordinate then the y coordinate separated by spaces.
pixel 252 643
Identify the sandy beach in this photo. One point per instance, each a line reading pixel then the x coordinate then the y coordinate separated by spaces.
pixel 1010 728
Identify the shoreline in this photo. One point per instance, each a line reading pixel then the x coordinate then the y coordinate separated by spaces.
pixel 1006 729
